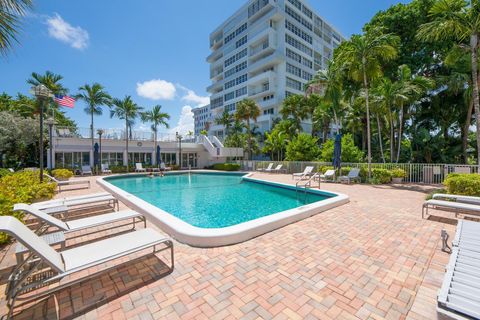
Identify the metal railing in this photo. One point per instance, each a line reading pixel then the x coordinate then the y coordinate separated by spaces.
pixel 427 173
pixel 118 134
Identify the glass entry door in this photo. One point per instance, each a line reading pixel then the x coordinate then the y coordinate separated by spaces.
pixel 189 159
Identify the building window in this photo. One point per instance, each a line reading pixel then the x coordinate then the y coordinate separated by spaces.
pixel 298 17
pixel 296 3
pixel 230 107
pixel 298 32
pixel 169 158
pixel 229 96
pixel 241 92
pixel 294 70
pixel 241 42
pixel 294 84
pixel 268 111
pixel 256 6
pixel 216 103
pixel 269 97
pixel 72 160
pixel 140 157
pixel 297 44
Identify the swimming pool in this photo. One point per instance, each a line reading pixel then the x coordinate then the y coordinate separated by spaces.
pixel 209 209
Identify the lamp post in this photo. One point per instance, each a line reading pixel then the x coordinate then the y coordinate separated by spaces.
pixel 50 122
pixel 42 93
pixel 179 138
pixel 100 132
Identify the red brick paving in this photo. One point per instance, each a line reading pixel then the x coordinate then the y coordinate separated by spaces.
pixel 374 258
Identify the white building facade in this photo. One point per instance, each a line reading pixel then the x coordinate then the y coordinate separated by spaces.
pixel 202 119
pixel 72 148
pixel 265 51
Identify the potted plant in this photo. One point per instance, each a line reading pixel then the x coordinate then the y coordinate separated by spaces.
pixel 398 175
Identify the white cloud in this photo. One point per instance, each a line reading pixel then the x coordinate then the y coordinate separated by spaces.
pixel 61 30
pixel 185 123
pixel 156 89
pixel 192 97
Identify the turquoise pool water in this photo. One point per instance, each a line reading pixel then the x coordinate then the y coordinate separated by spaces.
pixel 213 200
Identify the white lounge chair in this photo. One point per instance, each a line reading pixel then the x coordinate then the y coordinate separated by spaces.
pixel 164 168
pixel 353 175
pixel 105 169
pixel 267 169
pixel 86 170
pixel 277 168
pixel 451 206
pixel 302 175
pixel 61 184
pixel 73 225
pixel 96 199
pixel 139 167
pixel 329 175
pixel 457 198
pixel 62 264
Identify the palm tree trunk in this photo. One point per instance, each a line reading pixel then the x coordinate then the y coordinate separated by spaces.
pixel 400 133
pixel 476 102
pixel 155 148
pixel 126 139
pixel 466 130
pixel 336 121
pixel 380 141
pixel 249 142
pixel 392 138
pixel 91 131
pixel 369 143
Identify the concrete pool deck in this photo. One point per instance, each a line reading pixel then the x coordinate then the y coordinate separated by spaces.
pixel 373 258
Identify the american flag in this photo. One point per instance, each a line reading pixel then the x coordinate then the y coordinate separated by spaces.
pixel 65 101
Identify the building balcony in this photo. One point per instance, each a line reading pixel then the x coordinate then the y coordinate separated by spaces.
pixel 256 92
pixel 216 87
pixel 262 77
pixel 266 62
pixel 214 56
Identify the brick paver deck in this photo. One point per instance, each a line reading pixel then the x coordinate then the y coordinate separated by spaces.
pixel 374 258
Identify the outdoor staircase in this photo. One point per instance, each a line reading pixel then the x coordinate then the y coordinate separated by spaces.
pixel 216 149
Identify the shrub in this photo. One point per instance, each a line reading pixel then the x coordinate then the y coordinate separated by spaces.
pixel 226 166
pixel 350 152
pixel 303 147
pixel 22 187
pixel 5 172
pixel 381 176
pixel 463 184
pixel 62 174
pixel 118 169
pixel 398 173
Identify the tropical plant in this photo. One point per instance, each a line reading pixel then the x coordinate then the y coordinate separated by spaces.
pixel 157 118
pixel 53 82
pixel 275 144
pixel 10 13
pixel 458 20
pixel 127 110
pixel 294 108
pixel 362 58
pixel 95 97
pixel 303 147
pixel 247 110
pixel 226 119
pixel 350 152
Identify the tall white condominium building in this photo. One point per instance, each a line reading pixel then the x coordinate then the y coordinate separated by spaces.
pixel 202 119
pixel 265 51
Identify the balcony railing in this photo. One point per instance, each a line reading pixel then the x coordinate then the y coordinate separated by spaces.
pixel 117 134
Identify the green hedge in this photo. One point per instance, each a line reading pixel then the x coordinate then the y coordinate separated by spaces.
pixel 5 172
pixel 381 176
pixel 22 187
pixel 463 184
pixel 226 166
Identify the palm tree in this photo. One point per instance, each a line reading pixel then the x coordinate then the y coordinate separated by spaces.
pixel 10 13
pixel 95 97
pixel 247 109
pixel 294 107
pixel 459 20
pixel 225 120
pixel 52 81
pixel 363 57
pixel 126 110
pixel 329 85
pixel 157 118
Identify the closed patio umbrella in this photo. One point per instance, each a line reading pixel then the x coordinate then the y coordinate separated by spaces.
pixel 96 154
pixel 337 152
pixel 158 158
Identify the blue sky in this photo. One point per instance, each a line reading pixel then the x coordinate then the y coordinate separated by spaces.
pixel 153 50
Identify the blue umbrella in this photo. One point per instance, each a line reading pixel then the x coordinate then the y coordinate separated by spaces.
pixel 158 158
pixel 96 158
pixel 337 152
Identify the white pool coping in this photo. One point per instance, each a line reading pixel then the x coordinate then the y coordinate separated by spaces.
pixel 216 237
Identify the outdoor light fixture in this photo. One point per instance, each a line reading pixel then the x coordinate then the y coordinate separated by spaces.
pixel 50 122
pixel 100 132
pixel 42 93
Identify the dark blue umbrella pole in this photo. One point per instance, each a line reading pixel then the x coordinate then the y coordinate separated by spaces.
pixel 158 158
pixel 337 153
